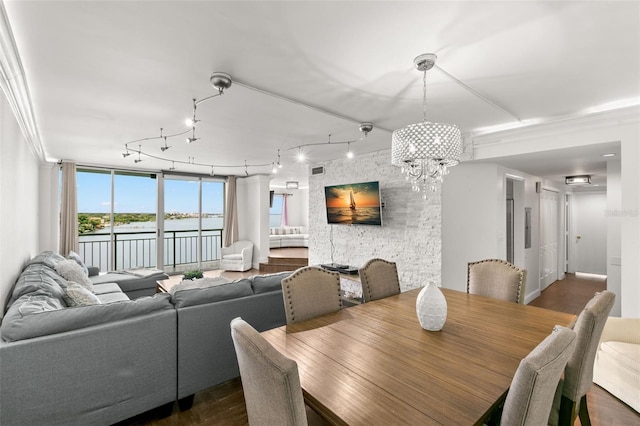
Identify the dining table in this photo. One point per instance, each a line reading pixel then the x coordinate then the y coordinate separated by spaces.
pixel 373 363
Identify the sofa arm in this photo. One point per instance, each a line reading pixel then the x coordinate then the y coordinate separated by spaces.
pixel 93 270
pixel 621 330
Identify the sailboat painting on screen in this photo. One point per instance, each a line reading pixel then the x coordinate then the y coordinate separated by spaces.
pixel 354 204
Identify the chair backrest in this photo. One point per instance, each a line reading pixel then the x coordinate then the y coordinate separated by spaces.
pixel 270 380
pixel 379 279
pixel 578 375
pixel 498 279
pixel 533 386
pixel 310 292
pixel 238 246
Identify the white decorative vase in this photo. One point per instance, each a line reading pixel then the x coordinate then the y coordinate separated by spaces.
pixel 431 307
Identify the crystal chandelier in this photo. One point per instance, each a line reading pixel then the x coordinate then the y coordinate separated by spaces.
pixel 424 151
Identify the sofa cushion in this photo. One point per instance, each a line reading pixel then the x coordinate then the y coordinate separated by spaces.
pixel 78 295
pixel 237 256
pixel 201 296
pixel 105 288
pixel 47 258
pixel 71 271
pixel 36 280
pixel 113 297
pixel 268 282
pixel 33 316
pixel 627 354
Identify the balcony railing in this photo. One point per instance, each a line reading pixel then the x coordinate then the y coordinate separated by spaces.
pixel 138 249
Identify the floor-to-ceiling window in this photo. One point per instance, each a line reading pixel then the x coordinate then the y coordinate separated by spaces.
pixel 275 211
pixel 117 218
pixel 118 227
pixel 193 222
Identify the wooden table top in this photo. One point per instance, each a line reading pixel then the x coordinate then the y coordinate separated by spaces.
pixel 374 364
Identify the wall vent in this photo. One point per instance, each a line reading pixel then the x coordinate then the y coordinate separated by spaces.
pixel 317 170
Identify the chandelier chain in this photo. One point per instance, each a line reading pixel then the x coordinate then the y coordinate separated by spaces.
pixel 424 95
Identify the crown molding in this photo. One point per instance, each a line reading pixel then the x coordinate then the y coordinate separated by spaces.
pixel 564 125
pixel 15 89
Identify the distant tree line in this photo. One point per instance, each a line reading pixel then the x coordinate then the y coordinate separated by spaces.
pixel 91 222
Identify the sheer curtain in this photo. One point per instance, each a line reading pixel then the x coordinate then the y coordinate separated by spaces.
pixel 68 210
pixel 230 214
pixel 284 221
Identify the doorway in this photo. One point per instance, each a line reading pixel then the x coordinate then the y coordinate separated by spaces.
pixel 587 236
pixel 549 236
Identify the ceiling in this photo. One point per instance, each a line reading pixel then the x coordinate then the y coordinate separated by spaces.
pixel 102 74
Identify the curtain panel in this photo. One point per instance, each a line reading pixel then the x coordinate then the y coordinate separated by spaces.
pixel 230 214
pixel 68 210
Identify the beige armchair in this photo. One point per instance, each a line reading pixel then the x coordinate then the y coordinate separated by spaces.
pixel 379 279
pixel 498 279
pixel 617 362
pixel 237 257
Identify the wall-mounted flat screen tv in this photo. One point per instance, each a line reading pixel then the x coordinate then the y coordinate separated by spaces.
pixel 354 204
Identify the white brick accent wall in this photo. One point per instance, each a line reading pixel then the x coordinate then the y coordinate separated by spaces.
pixel 411 227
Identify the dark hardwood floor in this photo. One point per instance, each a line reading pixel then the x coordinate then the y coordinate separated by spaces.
pixel 224 404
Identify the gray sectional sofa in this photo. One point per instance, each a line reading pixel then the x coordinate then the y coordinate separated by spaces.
pixel 103 363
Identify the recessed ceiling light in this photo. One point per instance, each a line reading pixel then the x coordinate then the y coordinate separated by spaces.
pixel 611 154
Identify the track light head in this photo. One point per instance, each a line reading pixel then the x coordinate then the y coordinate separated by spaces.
pixel 126 154
pixel 192 139
pixel 164 148
pixel 137 160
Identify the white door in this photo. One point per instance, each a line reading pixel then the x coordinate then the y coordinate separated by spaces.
pixel 549 235
pixel 589 239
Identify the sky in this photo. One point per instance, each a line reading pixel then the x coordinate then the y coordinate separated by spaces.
pixel 137 194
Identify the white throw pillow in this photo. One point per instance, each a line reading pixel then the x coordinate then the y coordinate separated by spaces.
pixel 71 271
pixel 77 295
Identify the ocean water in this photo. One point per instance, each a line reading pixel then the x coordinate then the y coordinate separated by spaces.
pixel 139 249
pixel 358 216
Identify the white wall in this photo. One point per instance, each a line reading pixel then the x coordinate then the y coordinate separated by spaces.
pixel 298 205
pixel 253 214
pixel 410 234
pixel 473 220
pixel 19 205
pixel 614 210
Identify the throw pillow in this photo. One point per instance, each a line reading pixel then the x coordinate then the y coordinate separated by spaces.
pixel 71 271
pixel 76 257
pixel 77 295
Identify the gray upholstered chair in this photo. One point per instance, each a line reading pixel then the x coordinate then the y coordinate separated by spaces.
pixel 498 279
pixel 533 386
pixel 310 292
pixel 379 279
pixel 237 257
pixel 270 381
pixel 571 394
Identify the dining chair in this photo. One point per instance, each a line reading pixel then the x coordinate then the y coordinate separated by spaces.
pixel 310 292
pixel 270 381
pixel 531 393
pixel 498 279
pixel 571 394
pixel 379 279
